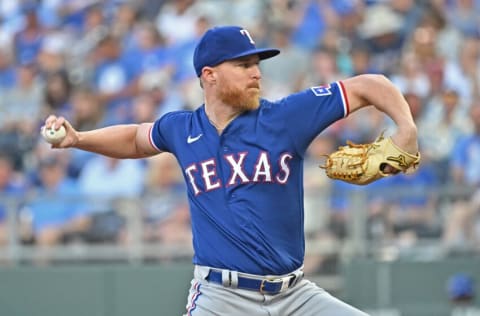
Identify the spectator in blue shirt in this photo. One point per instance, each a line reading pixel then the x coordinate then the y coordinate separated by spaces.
pixel 113 79
pixel 55 208
pixel 28 40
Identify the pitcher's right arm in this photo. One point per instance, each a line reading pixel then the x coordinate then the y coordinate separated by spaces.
pixel 117 141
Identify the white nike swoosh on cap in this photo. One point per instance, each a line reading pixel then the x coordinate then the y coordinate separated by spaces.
pixel 191 139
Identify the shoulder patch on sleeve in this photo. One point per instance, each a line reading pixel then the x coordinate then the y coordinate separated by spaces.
pixel 322 90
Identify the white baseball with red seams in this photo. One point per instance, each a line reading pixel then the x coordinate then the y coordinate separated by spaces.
pixel 52 135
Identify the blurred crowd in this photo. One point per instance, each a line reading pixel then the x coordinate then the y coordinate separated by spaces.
pixel 102 62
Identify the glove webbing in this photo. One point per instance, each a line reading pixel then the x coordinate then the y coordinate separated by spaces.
pixel 361 157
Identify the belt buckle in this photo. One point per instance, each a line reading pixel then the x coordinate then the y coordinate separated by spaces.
pixel 285 281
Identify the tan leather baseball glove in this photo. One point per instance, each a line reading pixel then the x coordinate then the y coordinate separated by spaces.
pixel 364 163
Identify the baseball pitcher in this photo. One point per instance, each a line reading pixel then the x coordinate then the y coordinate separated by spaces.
pixel 242 160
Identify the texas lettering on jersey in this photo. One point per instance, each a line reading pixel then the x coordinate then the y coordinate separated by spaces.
pixel 206 172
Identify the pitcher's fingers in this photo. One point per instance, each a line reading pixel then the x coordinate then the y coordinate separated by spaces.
pixel 50 121
pixel 59 122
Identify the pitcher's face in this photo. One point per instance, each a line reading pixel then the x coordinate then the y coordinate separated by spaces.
pixel 238 82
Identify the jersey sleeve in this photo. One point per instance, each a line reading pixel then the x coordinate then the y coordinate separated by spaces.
pixel 162 132
pixel 310 111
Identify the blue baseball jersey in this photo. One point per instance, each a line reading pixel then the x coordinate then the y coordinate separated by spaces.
pixel 245 186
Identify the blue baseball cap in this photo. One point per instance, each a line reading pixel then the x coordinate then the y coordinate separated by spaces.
pixel 224 43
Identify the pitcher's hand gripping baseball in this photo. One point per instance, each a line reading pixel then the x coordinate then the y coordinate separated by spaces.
pixel 59 132
pixel 364 163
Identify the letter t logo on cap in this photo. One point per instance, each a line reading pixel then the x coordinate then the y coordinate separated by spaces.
pixel 245 33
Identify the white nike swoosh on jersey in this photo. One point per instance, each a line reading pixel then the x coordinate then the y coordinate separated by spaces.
pixel 191 139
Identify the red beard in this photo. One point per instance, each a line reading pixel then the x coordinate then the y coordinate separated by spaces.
pixel 247 100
